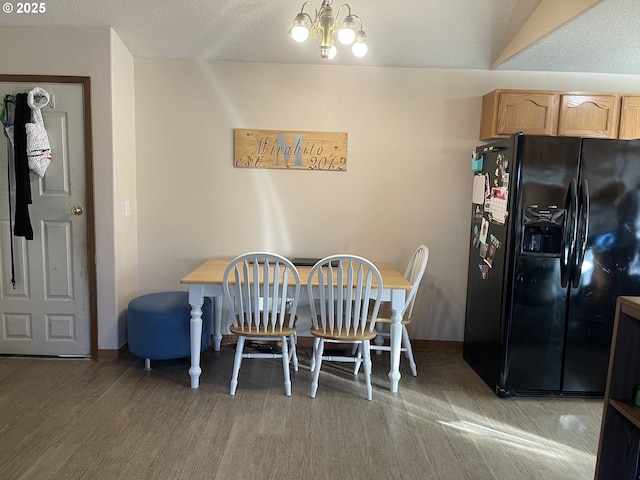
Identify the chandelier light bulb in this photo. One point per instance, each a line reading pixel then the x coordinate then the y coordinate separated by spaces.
pixel 347 34
pixel 328 52
pixel 299 33
pixel 360 48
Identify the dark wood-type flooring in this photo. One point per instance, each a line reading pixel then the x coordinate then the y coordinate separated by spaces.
pixel 68 419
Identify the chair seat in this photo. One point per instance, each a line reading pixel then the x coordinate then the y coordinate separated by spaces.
pixel 262 332
pixel 351 337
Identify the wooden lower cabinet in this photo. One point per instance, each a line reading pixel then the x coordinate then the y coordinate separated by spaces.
pixel 619 447
pixel 589 115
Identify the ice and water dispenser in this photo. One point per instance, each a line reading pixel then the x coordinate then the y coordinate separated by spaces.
pixel 543 231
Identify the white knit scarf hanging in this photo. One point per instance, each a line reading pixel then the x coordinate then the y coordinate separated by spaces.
pixel 38 147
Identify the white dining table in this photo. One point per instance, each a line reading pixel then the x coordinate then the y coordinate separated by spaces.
pixel 206 281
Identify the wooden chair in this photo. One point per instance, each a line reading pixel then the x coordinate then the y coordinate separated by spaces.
pixel 340 288
pixel 262 291
pixel 414 273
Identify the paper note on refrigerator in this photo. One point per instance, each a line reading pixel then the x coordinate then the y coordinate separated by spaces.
pixel 498 204
pixel 484 230
pixel 478 189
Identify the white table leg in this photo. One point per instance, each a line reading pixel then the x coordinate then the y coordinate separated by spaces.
pixel 397 302
pixel 196 299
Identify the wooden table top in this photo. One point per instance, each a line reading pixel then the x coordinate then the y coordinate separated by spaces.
pixel 212 271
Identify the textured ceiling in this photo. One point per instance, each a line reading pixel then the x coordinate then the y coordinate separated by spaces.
pixel 412 33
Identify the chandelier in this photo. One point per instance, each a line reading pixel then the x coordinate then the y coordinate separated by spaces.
pixel 324 26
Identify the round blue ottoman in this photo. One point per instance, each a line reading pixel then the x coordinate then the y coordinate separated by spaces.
pixel 158 326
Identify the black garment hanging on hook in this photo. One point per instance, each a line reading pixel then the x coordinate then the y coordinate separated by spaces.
pixel 7 115
pixel 22 224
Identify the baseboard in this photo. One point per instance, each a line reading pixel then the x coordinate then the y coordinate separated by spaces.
pixel 427 345
pixel 305 342
pixel 437 345
pixel 110 355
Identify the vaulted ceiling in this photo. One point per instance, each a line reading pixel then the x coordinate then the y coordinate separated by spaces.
pixel 535 35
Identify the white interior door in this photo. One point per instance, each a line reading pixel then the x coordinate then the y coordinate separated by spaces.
pixel 48 311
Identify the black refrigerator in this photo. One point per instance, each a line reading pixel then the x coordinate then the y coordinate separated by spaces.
pixel 554 240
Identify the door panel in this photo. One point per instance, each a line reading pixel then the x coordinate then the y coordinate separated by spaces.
pixel 48 312
pixel 611 259
pixel 58 260
pixel 537 317
pixel 483 327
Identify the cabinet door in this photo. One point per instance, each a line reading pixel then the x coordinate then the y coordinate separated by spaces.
pixel 505 112
pixel 589 115
pixel 630 117
pixel 533 113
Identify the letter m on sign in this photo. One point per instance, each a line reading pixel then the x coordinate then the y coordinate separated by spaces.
pixel 286 150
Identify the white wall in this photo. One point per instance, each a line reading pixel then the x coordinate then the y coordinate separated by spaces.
pixel 124 186
pixel 410 136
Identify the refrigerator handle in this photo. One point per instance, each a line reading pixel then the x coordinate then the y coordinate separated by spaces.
pixel 582 233
pixel 569 240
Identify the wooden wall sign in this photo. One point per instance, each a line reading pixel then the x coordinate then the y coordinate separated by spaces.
pixel 290 149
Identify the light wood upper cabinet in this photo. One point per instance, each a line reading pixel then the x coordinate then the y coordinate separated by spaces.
pixel 589 115
pixel 549 112
pixel 630 117
pixel 505 112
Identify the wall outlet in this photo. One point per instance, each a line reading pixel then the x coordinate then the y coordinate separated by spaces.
pixel 127 208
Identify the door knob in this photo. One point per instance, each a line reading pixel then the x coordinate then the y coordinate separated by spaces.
pixel 77 210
